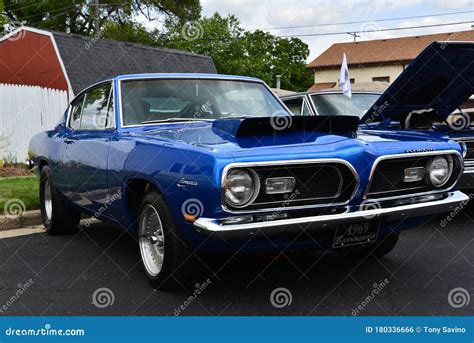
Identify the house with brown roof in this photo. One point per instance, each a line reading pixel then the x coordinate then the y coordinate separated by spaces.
pixel 376 60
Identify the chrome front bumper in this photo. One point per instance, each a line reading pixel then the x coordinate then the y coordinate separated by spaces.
pixel 448 203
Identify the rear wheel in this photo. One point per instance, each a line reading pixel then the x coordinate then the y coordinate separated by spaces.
pixel 167 260
pixel 378 249
pixel 58 217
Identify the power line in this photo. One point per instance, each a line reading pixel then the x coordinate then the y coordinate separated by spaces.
pixel 377 30
pixel 62 10
pixel 363 21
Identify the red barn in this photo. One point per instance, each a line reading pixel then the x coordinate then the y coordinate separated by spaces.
pixel 41 70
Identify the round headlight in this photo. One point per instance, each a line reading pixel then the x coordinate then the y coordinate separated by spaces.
pixel 439 171
pixel 241 187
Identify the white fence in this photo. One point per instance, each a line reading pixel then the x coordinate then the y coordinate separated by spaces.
pixel 25 111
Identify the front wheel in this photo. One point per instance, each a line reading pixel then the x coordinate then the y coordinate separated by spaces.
pixel 58 217
pixel 167 260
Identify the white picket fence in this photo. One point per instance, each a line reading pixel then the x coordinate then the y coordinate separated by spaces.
pixel 25 111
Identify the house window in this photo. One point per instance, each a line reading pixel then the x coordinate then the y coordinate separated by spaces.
pixel 381 79
pixel 339 81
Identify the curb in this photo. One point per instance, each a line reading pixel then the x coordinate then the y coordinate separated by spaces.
pixel 29 218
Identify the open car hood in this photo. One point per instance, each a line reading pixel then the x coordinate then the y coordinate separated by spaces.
pixel 437 82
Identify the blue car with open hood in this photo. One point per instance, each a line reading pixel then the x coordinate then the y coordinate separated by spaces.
pixel 426 99
pixel 216 163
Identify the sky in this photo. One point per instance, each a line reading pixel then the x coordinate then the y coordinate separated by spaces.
pixel 264 14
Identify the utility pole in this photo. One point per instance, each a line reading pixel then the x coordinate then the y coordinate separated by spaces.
pixel 97 17
pixel 355 35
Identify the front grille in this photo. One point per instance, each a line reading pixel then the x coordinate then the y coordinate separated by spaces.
pixel 388 177
pixel 316 184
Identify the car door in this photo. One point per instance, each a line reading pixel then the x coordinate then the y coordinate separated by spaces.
pixel 86 148
pixel 298 106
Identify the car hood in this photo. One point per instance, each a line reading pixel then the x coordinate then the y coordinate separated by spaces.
pixel 244 135
pixel 229 143
pixel 438 81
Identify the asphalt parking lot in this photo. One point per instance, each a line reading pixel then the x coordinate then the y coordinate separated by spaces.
pixel 67 276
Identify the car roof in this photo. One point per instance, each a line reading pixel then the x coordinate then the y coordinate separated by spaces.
pixel 328 91
pixel 187 76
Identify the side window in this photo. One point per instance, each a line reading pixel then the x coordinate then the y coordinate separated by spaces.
pixel 110 112
pixel 295 105
pixel 75 121
pixel 94 114
pixel 305 111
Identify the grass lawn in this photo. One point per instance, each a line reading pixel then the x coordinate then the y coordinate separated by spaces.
pixel 23 188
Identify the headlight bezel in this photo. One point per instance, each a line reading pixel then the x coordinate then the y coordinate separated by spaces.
pixel 256 187
pixel 450 166
pixel 463 148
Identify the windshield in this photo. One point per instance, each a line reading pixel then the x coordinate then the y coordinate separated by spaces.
pixel 155 100
pixel 339 104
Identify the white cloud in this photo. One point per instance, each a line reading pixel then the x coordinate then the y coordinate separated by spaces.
pixel 265 13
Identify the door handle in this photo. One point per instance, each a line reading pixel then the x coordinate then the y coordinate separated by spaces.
pixel 68 141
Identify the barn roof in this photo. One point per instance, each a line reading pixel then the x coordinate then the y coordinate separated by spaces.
pixel 88 60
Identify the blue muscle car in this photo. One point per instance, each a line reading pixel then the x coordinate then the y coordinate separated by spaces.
pixel 212 162
pixel 427 96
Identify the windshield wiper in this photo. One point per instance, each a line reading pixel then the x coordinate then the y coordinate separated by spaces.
pixel 172 120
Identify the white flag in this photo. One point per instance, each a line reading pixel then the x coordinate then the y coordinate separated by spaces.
pixel 344 80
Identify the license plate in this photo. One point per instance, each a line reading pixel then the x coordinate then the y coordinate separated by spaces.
pixel 356 233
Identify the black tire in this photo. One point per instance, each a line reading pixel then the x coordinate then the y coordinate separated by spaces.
pixel 60 218
pixel 379 249
pixel 178 261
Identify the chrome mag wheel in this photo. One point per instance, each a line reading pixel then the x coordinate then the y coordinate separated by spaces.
pixel 48 201
pixel 151 240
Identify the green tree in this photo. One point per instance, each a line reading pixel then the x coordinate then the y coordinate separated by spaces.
pixel 3 18
pixel 128 32
pixel 237 51
pixel 79 16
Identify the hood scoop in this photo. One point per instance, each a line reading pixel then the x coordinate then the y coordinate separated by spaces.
pixel 278 125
